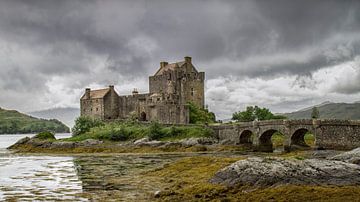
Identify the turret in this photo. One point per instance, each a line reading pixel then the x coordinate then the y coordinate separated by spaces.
pixel 87 93
pixel 187 59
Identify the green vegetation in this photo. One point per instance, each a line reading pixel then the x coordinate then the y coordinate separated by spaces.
pixel 13 122
pixel 83 124
pixel 199 115
pixel 123 131
pixel 188 180
pixel 278 139
pixel 315 114
pixel 330 111
pixel 45 135
pixel 255 113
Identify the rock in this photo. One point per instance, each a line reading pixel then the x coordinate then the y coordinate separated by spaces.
pixel 189 142
pixel 207 141
pixel 146 142
pixel 157 194
pixel 226 142
pixel 197 141
pixel 142 140
pixel 20 142
pixel 352 156
pixel 258 171
pixel 170 144
pixel 323 154
pixel 35 142
pixel 62 145
pixel 89 142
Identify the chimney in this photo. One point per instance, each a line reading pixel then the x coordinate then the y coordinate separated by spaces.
pixel 111 87
pixel 87 93
pixel 135 92
pixel 163 64
pixel 187 59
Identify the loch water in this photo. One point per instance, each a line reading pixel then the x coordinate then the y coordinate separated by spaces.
pixel 78 177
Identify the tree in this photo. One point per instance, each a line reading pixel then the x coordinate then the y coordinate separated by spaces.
pixel 315 114
pixel 83 124
pixel 255 113
pixel 200 115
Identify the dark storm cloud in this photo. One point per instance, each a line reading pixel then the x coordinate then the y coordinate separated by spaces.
pixel 81 43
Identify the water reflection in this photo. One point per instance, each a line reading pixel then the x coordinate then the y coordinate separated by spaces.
pixel 38 177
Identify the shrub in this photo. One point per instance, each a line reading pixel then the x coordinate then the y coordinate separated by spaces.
pixel 199 115
pixel 45 135
pixel 155 131
pixel 83 124
pixel 119 134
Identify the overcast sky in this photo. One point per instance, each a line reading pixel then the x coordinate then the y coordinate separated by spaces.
pixel 280 54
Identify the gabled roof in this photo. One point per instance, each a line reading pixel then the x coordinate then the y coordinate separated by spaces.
pixel 96 94
pixel 171 66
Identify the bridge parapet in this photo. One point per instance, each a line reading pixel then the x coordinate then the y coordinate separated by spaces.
pixel 329 133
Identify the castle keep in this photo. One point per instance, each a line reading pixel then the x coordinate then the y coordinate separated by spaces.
pixel 170 89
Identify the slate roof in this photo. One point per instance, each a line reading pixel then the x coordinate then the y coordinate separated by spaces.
pixel 171 66
pixel 96 94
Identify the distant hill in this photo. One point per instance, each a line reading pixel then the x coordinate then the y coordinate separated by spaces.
pixel 329 110
pixel 66 115
pixel 13 122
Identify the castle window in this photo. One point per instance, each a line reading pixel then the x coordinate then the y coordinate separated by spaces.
pixel 97 109
pixel 158 99
pixel 169 76
pixel 91 109
pixel 192 91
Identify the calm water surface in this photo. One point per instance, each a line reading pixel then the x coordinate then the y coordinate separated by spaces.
pixel 29 177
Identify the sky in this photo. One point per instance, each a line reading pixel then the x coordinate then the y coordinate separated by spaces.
pixel 279 54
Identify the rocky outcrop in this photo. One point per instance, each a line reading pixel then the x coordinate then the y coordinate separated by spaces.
pixel 197 141
pixel 352 156
pixel 278 171
pixel 19 142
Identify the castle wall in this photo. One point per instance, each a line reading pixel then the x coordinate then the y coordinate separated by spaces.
pixel 93 108
pixel 131 104
pixel 192 88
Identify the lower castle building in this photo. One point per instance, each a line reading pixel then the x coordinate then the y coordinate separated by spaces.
pixel 172 87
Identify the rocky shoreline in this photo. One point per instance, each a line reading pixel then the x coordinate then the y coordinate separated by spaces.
pixel 143 145
pixel 236 177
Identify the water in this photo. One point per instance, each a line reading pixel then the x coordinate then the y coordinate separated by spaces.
pixel 29 177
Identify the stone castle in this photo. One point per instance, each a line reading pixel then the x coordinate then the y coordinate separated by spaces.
pixel 170 90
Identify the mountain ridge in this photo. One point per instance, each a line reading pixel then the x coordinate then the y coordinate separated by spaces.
pixel 329 110
pixel 14 122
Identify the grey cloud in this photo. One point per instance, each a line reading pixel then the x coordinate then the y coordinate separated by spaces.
pixel 101 42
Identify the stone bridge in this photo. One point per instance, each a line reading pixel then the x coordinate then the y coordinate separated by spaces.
pixel 329 134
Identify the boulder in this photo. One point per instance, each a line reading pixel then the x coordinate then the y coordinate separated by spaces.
pixel 142 140
pixel 189 142
pixel 62 145
pixel 352 156
pixel 197 141
pixel 262 172
pixel 90 142
pixel 20 142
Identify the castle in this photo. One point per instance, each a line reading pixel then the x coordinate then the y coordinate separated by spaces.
pixel 170 90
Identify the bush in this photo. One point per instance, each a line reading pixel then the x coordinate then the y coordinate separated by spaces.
pixel 119 134
pixel 83 124
pixel 155 131
pixel 45 135
pixel 199 115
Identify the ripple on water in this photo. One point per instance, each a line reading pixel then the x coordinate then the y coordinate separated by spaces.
pixel 29 177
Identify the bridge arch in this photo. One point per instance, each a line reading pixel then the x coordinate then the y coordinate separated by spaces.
pixel 246 137
pixel 265 143
pixel 298 138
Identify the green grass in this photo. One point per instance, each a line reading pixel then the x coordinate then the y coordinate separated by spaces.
pixel 119 131
pixel 12 122
pixel 278 139
pixel 45 135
